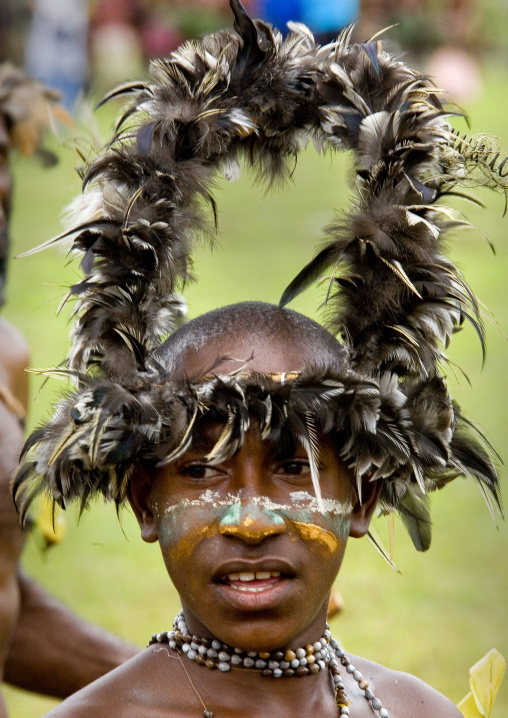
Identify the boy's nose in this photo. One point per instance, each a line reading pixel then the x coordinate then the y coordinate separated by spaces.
pixel 251 523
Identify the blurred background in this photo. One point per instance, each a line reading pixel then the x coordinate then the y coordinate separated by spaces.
pixel 447 607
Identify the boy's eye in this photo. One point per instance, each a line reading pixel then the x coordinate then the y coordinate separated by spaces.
pixel 199 471
pixel 295 467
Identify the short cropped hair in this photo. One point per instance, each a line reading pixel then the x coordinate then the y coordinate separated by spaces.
pixel 269 322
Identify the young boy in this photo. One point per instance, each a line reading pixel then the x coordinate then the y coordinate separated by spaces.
pixel 251 443
pixel 250 553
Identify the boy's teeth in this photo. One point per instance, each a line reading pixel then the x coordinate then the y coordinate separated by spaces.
pixel 251 575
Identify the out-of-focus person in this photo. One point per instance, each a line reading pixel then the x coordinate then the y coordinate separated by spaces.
pixel 57 46
pixel 326 18
pixel 44 647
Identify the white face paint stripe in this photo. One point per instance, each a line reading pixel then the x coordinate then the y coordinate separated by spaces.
pixel 300 500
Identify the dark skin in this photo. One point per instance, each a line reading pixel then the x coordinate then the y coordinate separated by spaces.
pixel 29 616
pixel 205 553
pixel 44 647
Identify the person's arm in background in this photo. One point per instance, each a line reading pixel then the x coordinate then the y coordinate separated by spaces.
pixel 44 646
pixel 54 651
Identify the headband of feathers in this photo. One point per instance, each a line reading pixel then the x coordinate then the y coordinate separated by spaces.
pixel 249 94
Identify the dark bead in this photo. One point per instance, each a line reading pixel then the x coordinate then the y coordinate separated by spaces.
pixel 199 659
pixel 211 664
pixel 302 671
pixel 289 672
pixel 278 655
pixel 340 697
pixel 187 638
pixel 266 672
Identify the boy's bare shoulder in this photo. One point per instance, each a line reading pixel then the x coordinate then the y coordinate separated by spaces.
pixel 138 687
pixel 404 695
pixel 151 685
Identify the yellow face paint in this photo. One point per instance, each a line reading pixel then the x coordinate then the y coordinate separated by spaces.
pixel 325 540
pixel 185 545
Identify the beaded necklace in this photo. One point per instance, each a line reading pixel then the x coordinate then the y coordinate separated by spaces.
pixel 316 657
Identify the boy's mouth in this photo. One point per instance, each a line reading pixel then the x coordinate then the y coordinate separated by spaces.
pixel 252 581
pixel 254 585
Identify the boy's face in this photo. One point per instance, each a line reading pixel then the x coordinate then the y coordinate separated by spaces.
pixel 250 553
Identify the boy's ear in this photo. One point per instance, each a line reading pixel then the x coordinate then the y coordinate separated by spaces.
pixel 139 496
pixel 363 510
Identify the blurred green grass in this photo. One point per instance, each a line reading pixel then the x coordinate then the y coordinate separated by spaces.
pixel 449 606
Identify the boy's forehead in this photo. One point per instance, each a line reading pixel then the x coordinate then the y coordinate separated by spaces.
pixel 225 354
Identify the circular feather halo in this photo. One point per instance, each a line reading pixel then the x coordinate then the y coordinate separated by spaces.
pixel 249 94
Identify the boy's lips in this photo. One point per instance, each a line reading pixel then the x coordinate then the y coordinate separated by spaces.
pixel 253 585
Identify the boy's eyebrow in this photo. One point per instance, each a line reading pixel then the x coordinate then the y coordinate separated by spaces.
pixel 205 438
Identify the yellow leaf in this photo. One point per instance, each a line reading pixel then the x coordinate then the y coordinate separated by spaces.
pixel 51 522
pixel 484 680
pixel 468 708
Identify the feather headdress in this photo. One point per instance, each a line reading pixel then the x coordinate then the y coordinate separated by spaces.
pixel 250 94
